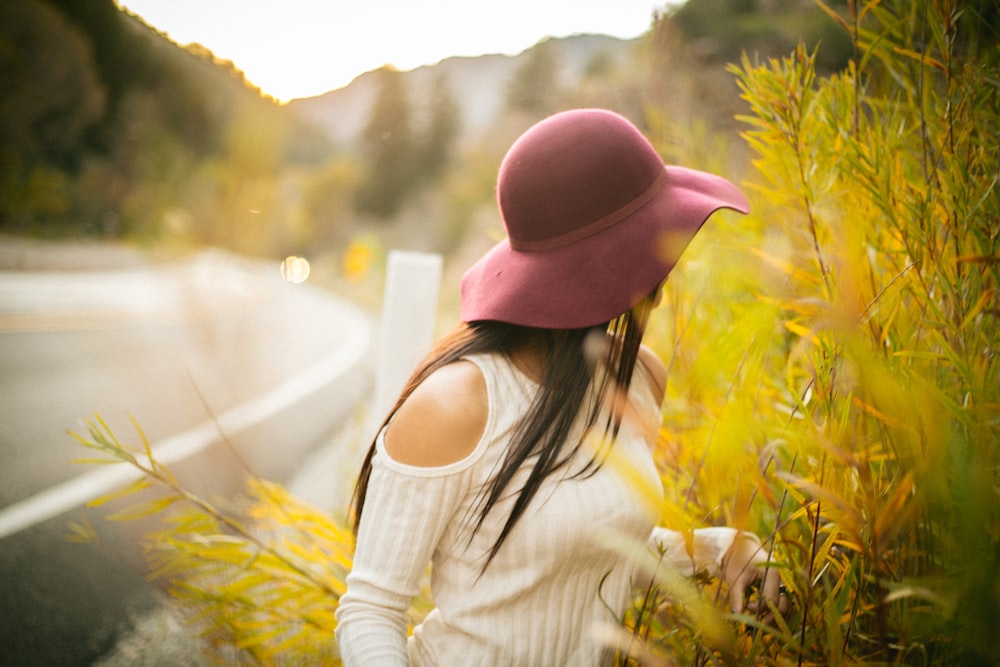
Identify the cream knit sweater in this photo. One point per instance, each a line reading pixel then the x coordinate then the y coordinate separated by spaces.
pixel 544 596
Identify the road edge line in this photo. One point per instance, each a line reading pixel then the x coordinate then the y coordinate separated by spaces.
pixel 79 490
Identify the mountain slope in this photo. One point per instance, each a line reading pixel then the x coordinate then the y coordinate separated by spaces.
pixel 478 84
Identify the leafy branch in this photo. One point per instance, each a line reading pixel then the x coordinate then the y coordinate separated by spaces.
pixel 264 583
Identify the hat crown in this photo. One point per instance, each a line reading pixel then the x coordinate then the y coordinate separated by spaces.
pixel 572 175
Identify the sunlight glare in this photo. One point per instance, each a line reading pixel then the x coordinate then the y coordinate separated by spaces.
pixel 295 269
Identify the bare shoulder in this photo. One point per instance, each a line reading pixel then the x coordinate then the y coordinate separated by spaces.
pixel 442 420
pixel 653 365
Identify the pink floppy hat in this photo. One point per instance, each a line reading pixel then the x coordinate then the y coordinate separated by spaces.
pixel 594 219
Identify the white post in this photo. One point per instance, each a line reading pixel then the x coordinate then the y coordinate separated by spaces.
pixel 405 334
pixel 409 311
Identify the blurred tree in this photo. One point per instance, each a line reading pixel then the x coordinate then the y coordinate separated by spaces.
pixel 115 52
pixel 49 96
pixel 326 202
pixel 611 82
pixel 437 142
pixel 388 149
pixel 724 29
pixel 107 127
pixel 127 189
pixel 600 64
pixel 235 194
pixel 195 90
pixel 534 87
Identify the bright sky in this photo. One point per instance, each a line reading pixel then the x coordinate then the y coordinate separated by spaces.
pixel 300 48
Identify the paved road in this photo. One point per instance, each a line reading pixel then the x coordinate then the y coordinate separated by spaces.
pixel 280 366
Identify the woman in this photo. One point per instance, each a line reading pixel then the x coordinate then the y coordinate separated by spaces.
pixel 513 454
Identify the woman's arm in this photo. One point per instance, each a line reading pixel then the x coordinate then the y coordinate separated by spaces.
pixel 420 475
pixel 736 556
pixel 705 553
pixel 396 539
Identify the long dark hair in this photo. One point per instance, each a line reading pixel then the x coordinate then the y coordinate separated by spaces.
pixel 566 389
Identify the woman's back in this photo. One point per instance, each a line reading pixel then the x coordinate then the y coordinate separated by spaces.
pixel 541 596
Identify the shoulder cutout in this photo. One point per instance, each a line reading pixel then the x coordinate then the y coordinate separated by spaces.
pixel 442 421
pixel 653 365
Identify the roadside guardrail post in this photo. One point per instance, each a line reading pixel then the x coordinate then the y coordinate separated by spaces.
pixel 409 312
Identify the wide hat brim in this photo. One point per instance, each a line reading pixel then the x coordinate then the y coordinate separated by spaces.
pixel 597 278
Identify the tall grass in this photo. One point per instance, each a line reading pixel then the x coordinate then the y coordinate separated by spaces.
pixel 834 385
pixel 834 380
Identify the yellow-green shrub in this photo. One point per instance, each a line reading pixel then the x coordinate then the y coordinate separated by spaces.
pixel 834 374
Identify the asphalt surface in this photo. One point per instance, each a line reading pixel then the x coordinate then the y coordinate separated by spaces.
pixel 202 350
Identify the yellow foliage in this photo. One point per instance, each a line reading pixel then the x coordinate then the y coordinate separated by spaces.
pixel 264 583
pixel 833 376
pixel 358 258
pixel 834 386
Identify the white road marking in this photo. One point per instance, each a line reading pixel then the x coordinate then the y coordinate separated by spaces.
pixel 79 490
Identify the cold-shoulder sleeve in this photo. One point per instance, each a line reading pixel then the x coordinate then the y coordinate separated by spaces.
pixel 708 547
pixel 406 511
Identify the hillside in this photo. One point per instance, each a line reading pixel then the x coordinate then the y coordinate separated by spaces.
pixel 104 121
pixel 111 130
pixel 479 85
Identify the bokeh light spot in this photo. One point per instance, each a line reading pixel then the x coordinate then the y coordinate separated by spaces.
pixel 295 269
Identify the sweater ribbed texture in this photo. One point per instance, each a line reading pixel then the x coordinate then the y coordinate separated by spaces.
pixel 542 597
